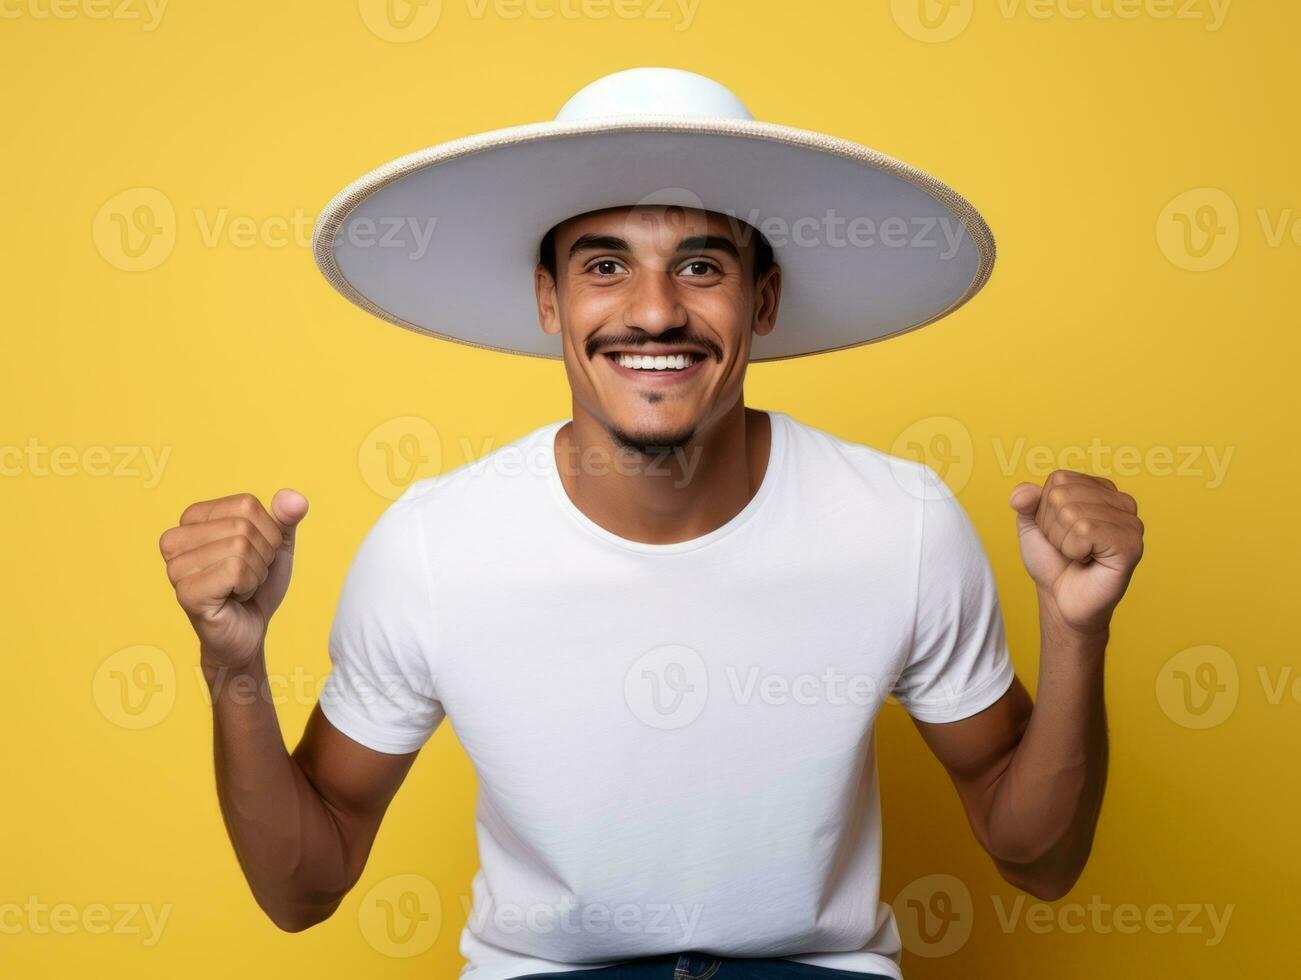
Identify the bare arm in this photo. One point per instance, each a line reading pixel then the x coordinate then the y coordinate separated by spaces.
pixel 302 825
pixel 1031 776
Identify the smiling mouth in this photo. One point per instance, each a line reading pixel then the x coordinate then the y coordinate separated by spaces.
pixel 656 367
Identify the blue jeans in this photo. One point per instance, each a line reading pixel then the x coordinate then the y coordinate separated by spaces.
pixel 700 966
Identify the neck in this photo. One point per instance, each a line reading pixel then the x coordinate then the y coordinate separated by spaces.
pixel 670 495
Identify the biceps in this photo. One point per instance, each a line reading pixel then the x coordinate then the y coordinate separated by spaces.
pixel 975 750
pixel 355 783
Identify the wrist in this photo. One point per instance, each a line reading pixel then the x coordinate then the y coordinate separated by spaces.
pixel 223 676
pixel 1057 633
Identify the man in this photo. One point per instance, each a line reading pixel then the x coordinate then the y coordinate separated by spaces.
pixel 663 630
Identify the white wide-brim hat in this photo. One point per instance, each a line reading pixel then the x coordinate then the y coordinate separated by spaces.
pixel 444 241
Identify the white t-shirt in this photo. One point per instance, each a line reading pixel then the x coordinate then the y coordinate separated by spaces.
pixel 674 743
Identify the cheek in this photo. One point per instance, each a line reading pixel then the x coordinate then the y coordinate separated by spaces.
pixel 724 312
pixel 587 311
pixel 583 298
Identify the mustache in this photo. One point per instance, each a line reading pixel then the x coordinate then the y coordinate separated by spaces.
pixel 595 345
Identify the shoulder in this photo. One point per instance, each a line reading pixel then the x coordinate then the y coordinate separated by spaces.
pixel 490 485
pixel 899 481
pixel 851 480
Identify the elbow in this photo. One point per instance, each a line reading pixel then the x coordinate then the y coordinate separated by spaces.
pixel 297 917
pixel 1048 870
pixel 1047 880
pixel 1046 888
pixel 288 923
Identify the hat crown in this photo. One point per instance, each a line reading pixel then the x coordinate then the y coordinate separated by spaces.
pixel 653 91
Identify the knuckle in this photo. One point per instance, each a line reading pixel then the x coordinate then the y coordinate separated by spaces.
pixel 239 526
pixel 187 595
pixel 247 504
pixel 1070 513
pixel 241 573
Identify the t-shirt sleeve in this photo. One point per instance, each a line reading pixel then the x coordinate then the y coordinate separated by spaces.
pixel 380 690
pixel 959 663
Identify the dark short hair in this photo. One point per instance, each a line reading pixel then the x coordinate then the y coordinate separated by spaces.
pixel 763 257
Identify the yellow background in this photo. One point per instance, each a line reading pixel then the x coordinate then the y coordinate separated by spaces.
pixel 1071 134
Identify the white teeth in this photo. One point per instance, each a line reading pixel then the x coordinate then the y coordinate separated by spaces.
pixel 660 362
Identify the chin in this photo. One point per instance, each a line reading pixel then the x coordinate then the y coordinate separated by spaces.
pixel 651 438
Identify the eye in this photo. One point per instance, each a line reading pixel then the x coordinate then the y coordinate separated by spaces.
pixel 606 267
pixel 698 268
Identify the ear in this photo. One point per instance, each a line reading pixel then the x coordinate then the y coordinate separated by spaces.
pixel 544 287
pixel 768 294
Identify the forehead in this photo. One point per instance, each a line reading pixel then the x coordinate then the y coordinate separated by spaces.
pixel 653 225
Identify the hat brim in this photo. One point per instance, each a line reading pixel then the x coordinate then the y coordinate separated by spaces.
pixel 444 241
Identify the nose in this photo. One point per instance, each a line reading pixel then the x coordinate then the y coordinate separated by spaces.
pixel 653 303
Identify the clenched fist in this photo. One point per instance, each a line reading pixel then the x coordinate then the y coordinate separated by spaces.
pixel 1080 541
pixel 229 560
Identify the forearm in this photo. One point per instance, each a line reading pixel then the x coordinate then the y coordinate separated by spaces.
pixel 288 844
pixel 1044 806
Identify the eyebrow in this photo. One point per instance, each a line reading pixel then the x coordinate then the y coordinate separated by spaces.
pixel 611 243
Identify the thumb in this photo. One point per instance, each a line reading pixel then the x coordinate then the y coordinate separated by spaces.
pixel 288 507
pixel 1025 501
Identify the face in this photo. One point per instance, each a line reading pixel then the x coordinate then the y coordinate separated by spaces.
pixel 657 308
